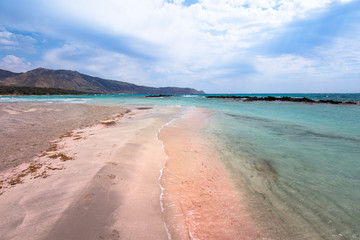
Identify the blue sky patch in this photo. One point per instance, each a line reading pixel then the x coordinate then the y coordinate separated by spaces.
pixel 188 3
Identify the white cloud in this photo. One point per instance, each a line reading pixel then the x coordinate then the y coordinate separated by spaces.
pixel 333 67
pixel 188 44
pixel 339 58
pixel 209 28
pixel 6 42
pixel 13 63
pixel 98 62
pixel 342 57
pixel 10 40
pixel 284 64
pixel 6 39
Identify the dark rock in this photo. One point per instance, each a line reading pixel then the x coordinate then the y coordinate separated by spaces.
pixel 281 99
pixel 159 96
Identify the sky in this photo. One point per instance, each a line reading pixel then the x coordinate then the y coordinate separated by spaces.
pixel 219 46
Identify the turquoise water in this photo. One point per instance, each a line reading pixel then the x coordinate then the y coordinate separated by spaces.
pixel 303 159
pixel 306 156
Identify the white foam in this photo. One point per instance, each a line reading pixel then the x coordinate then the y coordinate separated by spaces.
pixel 161 173
pixel 41 99
pixel 164 166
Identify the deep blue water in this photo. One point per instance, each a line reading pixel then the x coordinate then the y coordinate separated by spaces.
pixel 303 158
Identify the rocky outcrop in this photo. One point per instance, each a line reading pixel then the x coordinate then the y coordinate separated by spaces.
pixel 280 99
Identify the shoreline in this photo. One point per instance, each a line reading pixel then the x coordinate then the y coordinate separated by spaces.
pixel 203 198
pixel 145 174
pixel 201 201
pixel 162 189
pixel 281 164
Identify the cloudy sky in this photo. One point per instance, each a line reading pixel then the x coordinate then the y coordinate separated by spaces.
pixel 242 46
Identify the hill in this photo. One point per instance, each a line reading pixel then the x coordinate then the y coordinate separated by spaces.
pixel 5 74
pixel 72 80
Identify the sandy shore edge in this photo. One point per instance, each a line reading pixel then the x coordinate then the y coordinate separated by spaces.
pixel 201 200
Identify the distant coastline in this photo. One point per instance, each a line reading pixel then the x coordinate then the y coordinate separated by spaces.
pixel 76 82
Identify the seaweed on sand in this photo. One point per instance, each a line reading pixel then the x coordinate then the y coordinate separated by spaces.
pixel 62 157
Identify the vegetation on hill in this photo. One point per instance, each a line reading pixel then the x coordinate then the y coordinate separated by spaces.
pixel 11 90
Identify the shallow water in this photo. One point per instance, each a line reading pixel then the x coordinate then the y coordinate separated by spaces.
pixel 301 160
pixel 304 160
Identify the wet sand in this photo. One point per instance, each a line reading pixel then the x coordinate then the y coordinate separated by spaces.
pixel 200 199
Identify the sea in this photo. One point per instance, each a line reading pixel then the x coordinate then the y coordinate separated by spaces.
pixel 302 160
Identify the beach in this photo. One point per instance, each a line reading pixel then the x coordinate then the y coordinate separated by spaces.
pixel 138 173
pixel 100 171
pixel 107 186
pixel 102 177
pixel 28 128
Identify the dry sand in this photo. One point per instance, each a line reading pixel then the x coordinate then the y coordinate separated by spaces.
pixel 27 128
pixel 108 190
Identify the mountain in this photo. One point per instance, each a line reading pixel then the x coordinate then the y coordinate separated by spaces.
pixel 72 80
pixel 5 74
